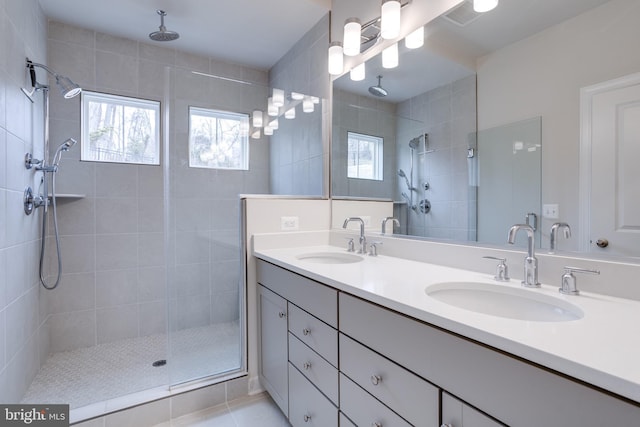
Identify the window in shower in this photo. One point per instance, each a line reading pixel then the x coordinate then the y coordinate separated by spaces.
pixel 120 129
pixel 218 139
pixel 364 156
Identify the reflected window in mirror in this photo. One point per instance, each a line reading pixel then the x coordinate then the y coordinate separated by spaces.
pixel 365 156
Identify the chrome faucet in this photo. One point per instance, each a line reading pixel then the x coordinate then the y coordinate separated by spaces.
pixel 530 262
pixel 363 239
pixel 553 242
pixel 384 224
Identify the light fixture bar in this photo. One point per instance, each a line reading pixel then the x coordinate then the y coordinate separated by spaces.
pixel 352 33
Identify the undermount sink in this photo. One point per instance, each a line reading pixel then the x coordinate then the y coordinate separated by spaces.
pixel 504 301
pixel 329 258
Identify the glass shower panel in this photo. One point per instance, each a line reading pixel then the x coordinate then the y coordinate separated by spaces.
pixel 204 281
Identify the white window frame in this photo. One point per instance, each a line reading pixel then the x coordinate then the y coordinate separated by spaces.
pixel 243 120
pixel 124 101
pixel 378 160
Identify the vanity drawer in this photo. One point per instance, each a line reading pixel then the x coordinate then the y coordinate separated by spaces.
pixel 364 409
pixel 316 334
pixel 315 368
pixel 307 406
pixel 404 392
pixel 316 298
pixel 345 422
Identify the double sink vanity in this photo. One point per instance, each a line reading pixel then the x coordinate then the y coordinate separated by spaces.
pixel 351 339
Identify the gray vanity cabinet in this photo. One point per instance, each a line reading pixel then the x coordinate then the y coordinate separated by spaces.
pixel 456 413
pixel 273 346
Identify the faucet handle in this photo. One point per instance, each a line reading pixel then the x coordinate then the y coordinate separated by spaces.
pixel 502 270
pixel 350 245
pixel 569 282
pixel 373 248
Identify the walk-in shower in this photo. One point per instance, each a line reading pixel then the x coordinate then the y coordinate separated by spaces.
pixel 69 90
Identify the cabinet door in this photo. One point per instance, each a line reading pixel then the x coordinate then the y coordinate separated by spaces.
pixel 273 347
pixel 456 413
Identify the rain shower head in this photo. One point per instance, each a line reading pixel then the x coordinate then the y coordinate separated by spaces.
pixel 163 35
pixel 378 90
pixel 68 88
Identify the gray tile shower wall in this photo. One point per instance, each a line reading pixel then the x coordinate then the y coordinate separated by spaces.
pixel 113 239
pixel 24 337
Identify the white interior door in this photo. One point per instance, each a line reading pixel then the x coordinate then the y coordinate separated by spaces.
pixel 611 123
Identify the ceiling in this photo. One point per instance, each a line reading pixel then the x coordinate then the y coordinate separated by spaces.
pixel 255 33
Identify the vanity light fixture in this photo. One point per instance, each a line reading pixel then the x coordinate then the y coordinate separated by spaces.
pixel 390 19
pixel 273 124
pixel 268 131
pixel 272 110
pixel 415 39
pixel 256 119
pixel 296 96
pixel 390 56
pixel 307 105
pixel 352 34
pixel 278 97
pixel 290 113
pixel 336 60
pixel 255 134
pixel 481 6
pixel 357 73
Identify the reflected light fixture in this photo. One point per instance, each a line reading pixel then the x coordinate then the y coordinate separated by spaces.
pixel 268 131
pixel 336 60
pixel 255 134
pixel 273 124
pixel 256 119
pixel 390 56
pixel 357 73
pixel 415 39
pixel 352 29
pixel 481 6
pixel 307 105
pixel 290 113
pixel 390 19
pixel 278 97
pixel 272 110
pixel 297 96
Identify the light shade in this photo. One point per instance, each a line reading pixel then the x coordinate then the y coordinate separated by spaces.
pixel 357 73
pixel 255 134
pixel 278 97
pixel 307 105
pixel 484 5
pixel 256 119
pixel 273 124
pixel 268 131
pixel 272 110
pixel 297 96
pixel 336 60
pixel 352 28
pixel 290 113
pixel 415 39
pixel 390 56
pixel 390 19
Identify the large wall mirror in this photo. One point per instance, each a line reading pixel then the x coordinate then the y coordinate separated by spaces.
pixel 481 127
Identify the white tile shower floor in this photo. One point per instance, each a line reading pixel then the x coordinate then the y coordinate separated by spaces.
pixel 107 371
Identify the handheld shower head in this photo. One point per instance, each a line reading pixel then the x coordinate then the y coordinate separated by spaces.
pixel 70 142
pixel 401 174
pixel 65 146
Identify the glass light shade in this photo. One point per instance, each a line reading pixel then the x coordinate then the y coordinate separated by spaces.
pixel 273 124
pixel 315 100
pixel 484 5
pixel 268 131
pixel 415 39
pixel 352 29
pixel 255 134
pixel 357 73
pixel 256 119
pixel 278 97
pixel 290 113
pixel 390 19
pixel 272 110
pixel 296 96
pixel 307 105
pixel 336 60
pixel 390 56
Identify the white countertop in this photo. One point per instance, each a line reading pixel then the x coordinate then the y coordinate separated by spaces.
pixel 602 348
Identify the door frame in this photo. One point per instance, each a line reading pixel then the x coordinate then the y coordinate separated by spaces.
pixel 587 94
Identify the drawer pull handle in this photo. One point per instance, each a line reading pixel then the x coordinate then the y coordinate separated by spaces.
pixel 306 365
pixel 376 424
pixel 281 314
pixel 306 331
pixel 375 379
pixel 307 418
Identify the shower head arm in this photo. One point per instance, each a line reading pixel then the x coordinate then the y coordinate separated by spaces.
pixel 67 87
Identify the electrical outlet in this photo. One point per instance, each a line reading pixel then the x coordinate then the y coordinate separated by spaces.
pixel 289 223
pixel 551 211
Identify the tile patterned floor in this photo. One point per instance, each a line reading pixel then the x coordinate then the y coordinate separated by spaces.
pixel 106 371
pixel 252 411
